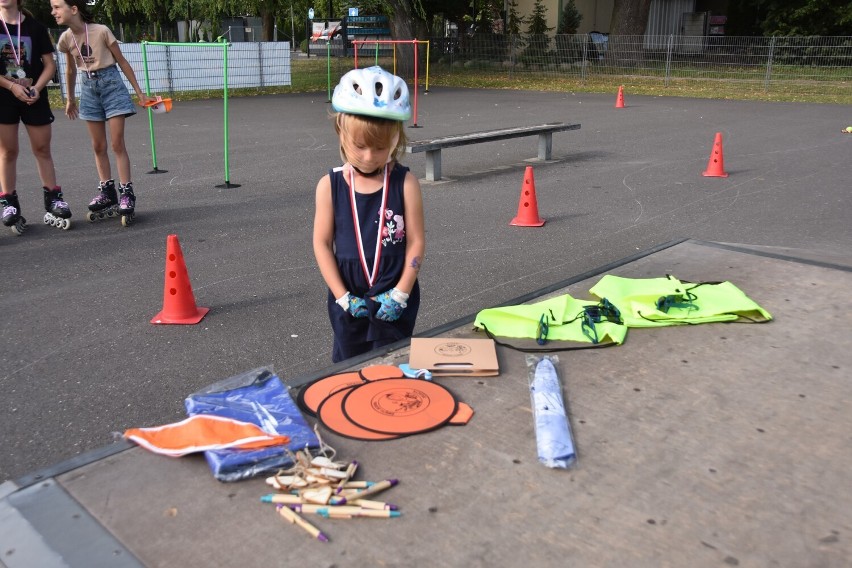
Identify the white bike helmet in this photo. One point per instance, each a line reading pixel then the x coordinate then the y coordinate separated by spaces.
pixel 372 92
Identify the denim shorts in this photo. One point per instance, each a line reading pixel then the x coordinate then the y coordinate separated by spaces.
pixel 104 95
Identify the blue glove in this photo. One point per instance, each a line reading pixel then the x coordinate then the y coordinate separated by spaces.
pixel 357 307
pixel 392 303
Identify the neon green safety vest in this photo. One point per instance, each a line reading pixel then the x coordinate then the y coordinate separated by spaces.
pixel 653 302
pixel 564 316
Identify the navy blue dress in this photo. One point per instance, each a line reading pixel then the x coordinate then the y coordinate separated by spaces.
pixel 353 336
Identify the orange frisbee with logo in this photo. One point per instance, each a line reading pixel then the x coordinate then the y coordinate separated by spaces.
pixel 315 392
pixel 376 372
pixel 330 414
pixel 399 406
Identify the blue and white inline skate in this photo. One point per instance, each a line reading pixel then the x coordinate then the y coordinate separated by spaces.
pixel 57 211
pixel 11 213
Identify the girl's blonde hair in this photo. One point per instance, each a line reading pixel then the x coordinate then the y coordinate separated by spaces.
pixel 373 131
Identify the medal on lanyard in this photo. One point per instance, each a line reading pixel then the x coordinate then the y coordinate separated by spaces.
pixel 20 73
pixel 83 59
pixel 371 275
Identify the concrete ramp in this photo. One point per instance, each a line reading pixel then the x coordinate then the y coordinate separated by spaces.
pixel 706 445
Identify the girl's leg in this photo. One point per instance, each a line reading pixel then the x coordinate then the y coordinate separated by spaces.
pixel 97 132
pixel 122 159
pixel 8 157
pixel 40 143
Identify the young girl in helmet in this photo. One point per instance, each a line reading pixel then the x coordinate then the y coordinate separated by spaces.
pixel 369 238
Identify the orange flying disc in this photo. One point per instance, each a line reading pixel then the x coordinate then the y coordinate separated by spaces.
pixel 330 414
pixel 159 105
pixel 375 372
pixel 399 406
pixel 462 415
pixel 315 392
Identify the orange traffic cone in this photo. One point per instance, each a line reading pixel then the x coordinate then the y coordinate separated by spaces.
pixel 178 299
pixel 716 164
pixel 619 101
pixel 528 206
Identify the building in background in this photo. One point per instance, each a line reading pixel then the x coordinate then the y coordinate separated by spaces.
pixel 666 17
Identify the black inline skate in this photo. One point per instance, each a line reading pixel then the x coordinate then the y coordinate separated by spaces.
pixel 11 211
pixel 105 203
pixel 57 211
pixel 126 203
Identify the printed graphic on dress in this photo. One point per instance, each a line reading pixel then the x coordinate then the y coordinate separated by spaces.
pixel 393 229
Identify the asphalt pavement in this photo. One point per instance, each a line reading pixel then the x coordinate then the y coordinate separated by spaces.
pixel 81 361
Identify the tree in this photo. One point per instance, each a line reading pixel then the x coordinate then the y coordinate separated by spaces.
pixel 570 20
pixel 538 42
pixel 407 17
pixel 629 17
pixel 515 20
pixel 790 17
pixel 569 47
pixel 267 10
pixel 538 20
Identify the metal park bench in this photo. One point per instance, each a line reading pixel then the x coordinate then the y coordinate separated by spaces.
pixel 433 147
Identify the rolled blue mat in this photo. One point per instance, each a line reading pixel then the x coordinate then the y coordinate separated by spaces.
pixel 552 432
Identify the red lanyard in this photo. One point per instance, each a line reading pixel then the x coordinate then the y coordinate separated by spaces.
pixel 83 59
pixel 371 275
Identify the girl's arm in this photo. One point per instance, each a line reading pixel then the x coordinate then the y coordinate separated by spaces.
pixel 46 74
pixel 127 69
pixel 324 238
pixel 70 84
pixel 415 234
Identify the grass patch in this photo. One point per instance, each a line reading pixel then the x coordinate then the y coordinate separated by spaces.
pixel 309 75
pixel 831 92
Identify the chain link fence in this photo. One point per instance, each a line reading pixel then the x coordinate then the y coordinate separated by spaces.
pixel 765 62
pixel 818 66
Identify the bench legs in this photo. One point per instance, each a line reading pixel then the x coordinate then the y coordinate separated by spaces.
pixel 433 157
pixel 433 165
pixel 545 146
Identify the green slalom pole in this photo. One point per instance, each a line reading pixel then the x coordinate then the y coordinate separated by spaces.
pixel 150 112
pixel 225 46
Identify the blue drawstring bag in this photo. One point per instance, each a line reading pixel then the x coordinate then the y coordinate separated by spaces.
pixel 259 397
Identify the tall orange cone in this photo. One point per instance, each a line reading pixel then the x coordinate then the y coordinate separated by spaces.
pixel 716 164
pixel 619 101
pixel 178 299
pixel 528 205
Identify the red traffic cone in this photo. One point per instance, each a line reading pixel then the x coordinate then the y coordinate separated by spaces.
pixel 619 101
pixel 528 205
pixel 178 299
pixel 716 164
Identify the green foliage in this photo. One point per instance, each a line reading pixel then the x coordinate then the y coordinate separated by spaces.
pixel 790 18
pixel 488 15
pixel 808 17
pixel 515 20
pixel 570 20
pixel 538 20
pixel 538 40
